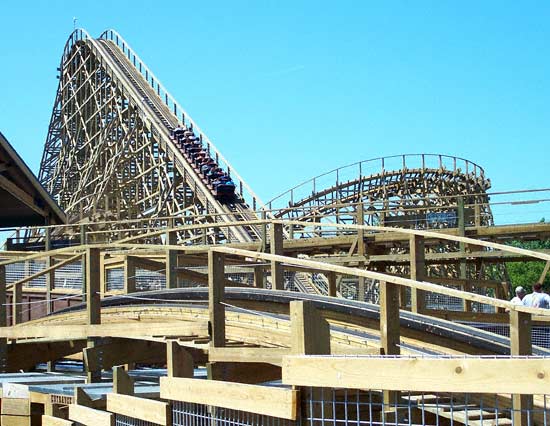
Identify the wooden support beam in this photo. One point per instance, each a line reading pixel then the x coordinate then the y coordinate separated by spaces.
pixel 272 356
pixel 171 257
pixel 146 410
pixel 25 355
pixel 112 352
pixel 276 247
pixel 520 345
pixel 259 277
pixel 122 330
pixel 123 384
pixel 309 331
pixel 3 321
pixel 130 274
pixel 179 362
pixel 389 319
pixel 457 375
pixel 93 289
pixel 389 329
pixel 331 276
pixel 216 308
pixel 90 417
pixel 50 276
pixel 266 400
pixel 418 272
pixel 250 372
pixel 17 305
pixel 55 421
pixel 93 369
pixel 463 267
pixel 544 272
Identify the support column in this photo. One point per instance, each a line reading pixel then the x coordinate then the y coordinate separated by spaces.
pixel 3 321
pixel 123 384
pixel 331 276
pixel 390 333
pixel 520 344
pixel 130 274
pixel 50 276
pixel 276 247
pixel 463 271
pixel 171 257
pixel 93 302
pixel 179 363
pixel 418 272
pixel 259 280
pixel 309 331
pixel 216 309
pixel 361 281
pixel 17 307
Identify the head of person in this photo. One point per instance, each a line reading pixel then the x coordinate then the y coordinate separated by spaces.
pixel 537 288
pixel 520 292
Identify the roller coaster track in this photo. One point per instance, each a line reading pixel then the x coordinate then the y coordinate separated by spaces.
pixel 255 312
pixel 417 183
pixel 109 150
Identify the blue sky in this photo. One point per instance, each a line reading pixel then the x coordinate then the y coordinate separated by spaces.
pixel 290 89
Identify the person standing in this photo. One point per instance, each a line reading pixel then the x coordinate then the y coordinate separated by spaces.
pixel 520 294
pixel 537 299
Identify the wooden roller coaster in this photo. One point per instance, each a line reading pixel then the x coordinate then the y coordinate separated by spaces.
pixel 373 294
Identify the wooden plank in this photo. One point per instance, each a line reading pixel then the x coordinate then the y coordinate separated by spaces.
pixel 130 271
pixel 55 421
pixel 216 309
pixel 148 410
pixel 475 375
pixel 134 329
pixel 309 331
pixel 90 416
pixel 389 319
pixel 123 384
pixel 93 286
pixel 269 401
pixel 417 272
pixel 265 355
pixel 179 362
pixel 426 286
pixel 276 247
pixel 16 406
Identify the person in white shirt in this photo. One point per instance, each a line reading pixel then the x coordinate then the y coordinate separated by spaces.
pixel 537 299
pixel 520 294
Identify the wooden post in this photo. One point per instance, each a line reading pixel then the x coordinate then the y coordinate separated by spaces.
pixel 130 274
pixel 309 331
pixel 331 284
pixel 418 272
pixel 171 258
pixel 390 333
pixel 93 289
pixel 93 302
pixel 216 309
pixel 361 281
pixel 259 280
pixel 310 335
pixel 3 321
pixel 276 246
pixel 463 272
pixel 123 384
pixel 50 277
pixel 17 299
pixel 389 319
pixel 179 363
pixel 520 344
pixel 263 229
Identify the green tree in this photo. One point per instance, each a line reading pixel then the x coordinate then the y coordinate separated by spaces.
pixel 526 274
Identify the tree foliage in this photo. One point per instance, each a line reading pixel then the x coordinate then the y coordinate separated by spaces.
pixel 526 274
